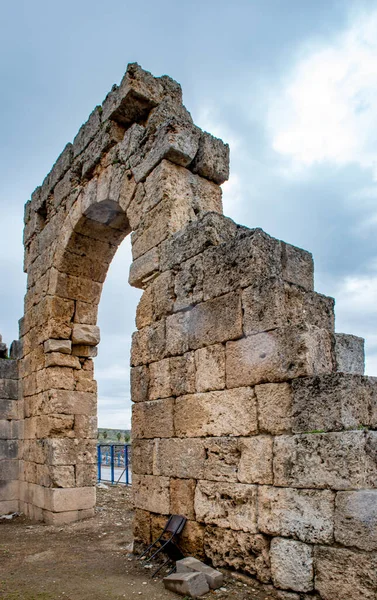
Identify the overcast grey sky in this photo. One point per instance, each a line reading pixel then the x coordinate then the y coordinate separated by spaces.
pixel 290 84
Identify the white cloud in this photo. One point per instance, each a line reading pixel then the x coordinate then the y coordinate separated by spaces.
pixel 327 109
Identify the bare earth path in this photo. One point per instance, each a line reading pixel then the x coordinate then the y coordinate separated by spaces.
pixel 89 560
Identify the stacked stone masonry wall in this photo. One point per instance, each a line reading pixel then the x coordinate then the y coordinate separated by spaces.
pixel 251 416
pixel 11 422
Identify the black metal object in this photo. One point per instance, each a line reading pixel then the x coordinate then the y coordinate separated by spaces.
pixel 167 545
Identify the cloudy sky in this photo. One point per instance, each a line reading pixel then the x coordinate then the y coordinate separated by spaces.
pixel 290 84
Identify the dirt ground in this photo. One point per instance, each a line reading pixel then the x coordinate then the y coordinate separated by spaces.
pixel 90 560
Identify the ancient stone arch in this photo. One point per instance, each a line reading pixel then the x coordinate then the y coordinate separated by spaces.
pixel 251 416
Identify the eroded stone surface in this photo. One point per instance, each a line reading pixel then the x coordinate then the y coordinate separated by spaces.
pixel 238 550
pixel 339 461
pixel 229 412
pixel 292 565
pixel 278 355
pixel 356 519
pixel 228 505
pixel 307 515
pixel 345 574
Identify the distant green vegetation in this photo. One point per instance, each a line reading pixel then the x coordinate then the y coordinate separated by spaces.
pixel 113 436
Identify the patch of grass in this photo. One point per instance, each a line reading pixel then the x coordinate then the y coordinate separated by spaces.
pixel 316 431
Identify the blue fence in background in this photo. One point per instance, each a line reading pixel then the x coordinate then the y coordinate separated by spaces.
pixel 114 463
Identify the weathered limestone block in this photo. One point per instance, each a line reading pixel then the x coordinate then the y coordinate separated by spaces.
pixel 9 491
pixel 274 407
pixel 144 310
pixel 64 187
pixel 8 369
pixel 159 374
pixel 278 355
pixel 57 359
pixel 182 458
pixel 160 223
pixel 228 412
pixel 65 499
pixel 271 303
pixel 177 333
pixel 144 267
pixel 163 294
pixel 61 166
pixel 189 564
pixel 87 132
pixel 188 286
pixel 238 550
pixel 66 451
pixel 306 515
pixel 182 374
pixel 148 344
pixel 350 354
pixel 339 461
pixel 256 458
pixel 170 182
pixel 222 457
pixel 182 494
pixel 62 346
pixel 356 519
pixel 151 493
pixel 16 350
pixel 9 429
pixel 139 384
pixel 135 211
pixel 228 505
pixel 153 419
pixel 176 141
pixel 84 381
pixel 110 134
pixel 56 477
pixel 193 585
pixel 291 565
pixel 142 456
pixel 84 266
pixel 75 288
pixel 54 426
pixel 9 409
pixel 251 256
pixel 87 335
pixel 210 368
pixel 215 321
pixel 9 469
pixel 333 402
pixel 84 351
pixel 142 526
pixel 211 229
pixel 86 426
pixel 86 475
pixel 170 106
pixel 298 266
pixel 66 402
pixel 136 95
pixel 345 574
pixel 130 142
pixel 212 159
pixel 8 449
pixel 9 389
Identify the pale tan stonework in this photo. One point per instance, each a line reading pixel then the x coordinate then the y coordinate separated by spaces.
pixel 251 417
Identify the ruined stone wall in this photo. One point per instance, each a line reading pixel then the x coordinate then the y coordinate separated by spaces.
pixel 11 423
pixel 251 416
pixel 241 421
